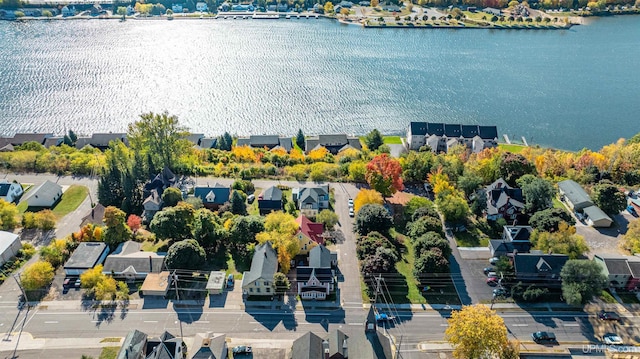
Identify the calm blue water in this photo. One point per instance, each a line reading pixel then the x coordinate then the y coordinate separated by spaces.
pixel 569 89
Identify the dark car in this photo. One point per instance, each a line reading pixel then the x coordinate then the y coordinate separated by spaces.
pixel 241 349
pixel 66 283
pixel 543 337
pixel 499 292
pixel 230 281
pixel 609 316
pixel 492 281
pixel 487 270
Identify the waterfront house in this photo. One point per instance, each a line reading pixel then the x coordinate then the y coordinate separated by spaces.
pixel 53 141
pixel 194 138
pixel 540 269
pixel 128 261
pixel 595 217
pixel 333 143
pixel 213 197
pixel 270 200
pixel 573 195
pixel 85 257
pixel 176 8
pixel 68 11
pixel 45 195
pixel 153 192
pixel 208 142
pixel 101 140
pixel 311 200
pixel 258 281
pixel 5 145
pixel 492 11
pixel 514 239
pixel 440 137
pixel 309 234
pixel 202 6
pixel 265 141
pixel 22 138
pixel 10 191
pixel 503 201
pixel 209 346
pixel 10 246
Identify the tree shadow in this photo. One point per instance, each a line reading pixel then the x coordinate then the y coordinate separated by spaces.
pixel 188 313
pixel 124 309
pixel 105 313
pixel 153 302
pixel 458 281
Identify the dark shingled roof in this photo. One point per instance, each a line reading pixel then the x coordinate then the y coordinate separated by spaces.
pixel 526 264
pixel 86 255
pixel 319 257
pixel 324 275
pixel 452 130
pixel 469 131
pixel 435 129
pixel 272 193
pixel 308 346
pixel 488 132
pixel 338 343
pixel 133 345
pixel 418 128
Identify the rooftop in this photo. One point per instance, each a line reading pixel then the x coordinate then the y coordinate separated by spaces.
pixel 86 255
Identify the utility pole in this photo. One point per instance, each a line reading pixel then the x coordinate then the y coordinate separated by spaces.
pixel 24 294
pixel 175 285
pixel 398 348
pixel 378 279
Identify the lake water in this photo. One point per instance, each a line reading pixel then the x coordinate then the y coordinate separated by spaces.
pixel 568 89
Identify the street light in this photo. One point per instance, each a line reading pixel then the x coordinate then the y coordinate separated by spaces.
pixel 175 285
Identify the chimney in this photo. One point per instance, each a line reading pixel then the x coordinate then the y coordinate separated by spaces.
pixel 150 265
pixel 325 349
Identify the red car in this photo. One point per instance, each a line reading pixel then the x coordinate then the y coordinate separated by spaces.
pixel 492 281
pixel 608 316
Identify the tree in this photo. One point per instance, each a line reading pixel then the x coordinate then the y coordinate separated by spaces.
pixel 37 276
pixel 581 280
pixel 564 241
pixel 454 208
pixel 242 231
pixel 431 261
pixel 383 175
pixel 328 7
pixel 513 166
pixel 631 239
pixel 382 261
pixel 429 241
pixel 373 218
pixel 122 11
pixel 237 204
pixel 367 245
pixel 538 193
pixel 469 183
pixel 549 219
pixel 609 198
pixel 300 139
pixel 134 222
pixel 367 196
pixel 209 232
pixel 416 166
pixel 374 3
pixel 56 252
pixel 45 220
pixel 373 140
pixel 476 331
pixel 327 217
pixel 117 230
pixel 344 11
pixel 160 137
pixel 416 203
pixel 186 254
pixel 8 215
pixel 281 283
pixel 424 225
pixel 173 222
pixel 279 228
pixel 171 196
pixel 10 4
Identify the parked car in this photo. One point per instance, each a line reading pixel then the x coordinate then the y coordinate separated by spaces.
pixel 632 211
pixel 382 317
pixel 251 198
pixel 350 202
pixel 66 283
pixel 493 261
pixel 488 270
pixel 77 283
pixel 604 315
pixel 499 292
pixel 351 213
pixel 230 281
pixel 492 281
pixel 492 275
pixel 241 349
pixel 543 337
pixel 612 339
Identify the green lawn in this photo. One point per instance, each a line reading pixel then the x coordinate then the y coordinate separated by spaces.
pixel 512 148
pixel 151 246
pixel 109 352
pixel 71 199
pixel 405 268
pixel 472 237
pixel 558 204
pixel 392 140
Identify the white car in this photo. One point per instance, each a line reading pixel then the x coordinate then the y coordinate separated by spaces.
pixel 350 203
pixel 612 339
pixel 351 213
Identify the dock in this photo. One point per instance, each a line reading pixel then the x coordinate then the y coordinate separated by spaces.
pixel 506 139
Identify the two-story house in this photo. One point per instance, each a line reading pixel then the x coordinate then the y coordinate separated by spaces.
pixel 311 200
pixel 10 191
pixel 503 201
pixel 270 200
pixel 514 239
pixel 317 280
pixel 213 196
pixel 258 281
pixel 309 234
pixel 541 269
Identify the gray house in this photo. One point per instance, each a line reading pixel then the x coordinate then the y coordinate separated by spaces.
pixel 213 197
pixel 130 262
pixel 268 141
pixel 514 239
pixel 270 200
pixel 573 195
pixel 208 346
pixel 333 143
pixel 85 257
pixel 596 217
pixel 10 245
pixel 616 268
pixel 44 195
pixel 311 200
pixel 10 191
pixel 258 281
pixel 441 137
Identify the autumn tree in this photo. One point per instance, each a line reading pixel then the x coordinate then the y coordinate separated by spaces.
pixel 186 254
pixel 373 218
pixel 367 196
pixel 171 196
pixel 454 208
pixel 328 218
pixel 609 198
pixel 631 239
pixel 469 183
pixel 357 171
pixel 581 280
pixel 279 228
pixel 513 166
pixel 134 222
pixel 37 276
pixel 416 166
pixel 237 203
pixel 476 331
pixel 8 215
pixel 56 252
pixel 373 139
pixel 383 175
pixel 564 241
pixel 45 220
pixel 160 137
pixel 549 219
pixel 328 7
pixel 416 203
pixel 423 225
pixel 117 230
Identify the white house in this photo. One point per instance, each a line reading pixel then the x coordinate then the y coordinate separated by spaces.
pixel 44 195
pixel 10 192
pixel 9 246
pixel 258 281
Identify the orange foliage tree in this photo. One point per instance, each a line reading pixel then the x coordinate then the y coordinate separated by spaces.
pixel 134 222
pixel 384 175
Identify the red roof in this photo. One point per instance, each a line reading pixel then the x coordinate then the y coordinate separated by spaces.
pixel 311 229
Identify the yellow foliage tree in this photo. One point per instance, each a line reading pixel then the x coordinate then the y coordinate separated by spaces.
pixel 476 331
pixel 244 154
pixel 318 154
pixel 631 239
pixel 367 196
pixel 563 241
pixel 280 151
pixel 37 276
pixel 279 228
pixel 90 278
pixel 296 154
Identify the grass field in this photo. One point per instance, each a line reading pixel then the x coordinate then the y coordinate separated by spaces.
pixel 512 148
pixel 392 140
pixel 109 352
pixel 405 268
pixel 71 199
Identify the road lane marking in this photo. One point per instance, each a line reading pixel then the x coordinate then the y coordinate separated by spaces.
pixel 203 321
pixel 150 321
pixel 51 322
pixel 520 325
pixel 571 325
pixel 354 323
pixel 444 324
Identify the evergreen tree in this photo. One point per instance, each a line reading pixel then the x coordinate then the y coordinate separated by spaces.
pixel 228 141
pixel 373 139
pixel 237 204
pixel 300 139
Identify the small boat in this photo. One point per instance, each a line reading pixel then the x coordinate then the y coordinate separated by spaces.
pixel 288 17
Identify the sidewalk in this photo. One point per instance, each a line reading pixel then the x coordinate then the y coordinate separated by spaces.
pixel 27 342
